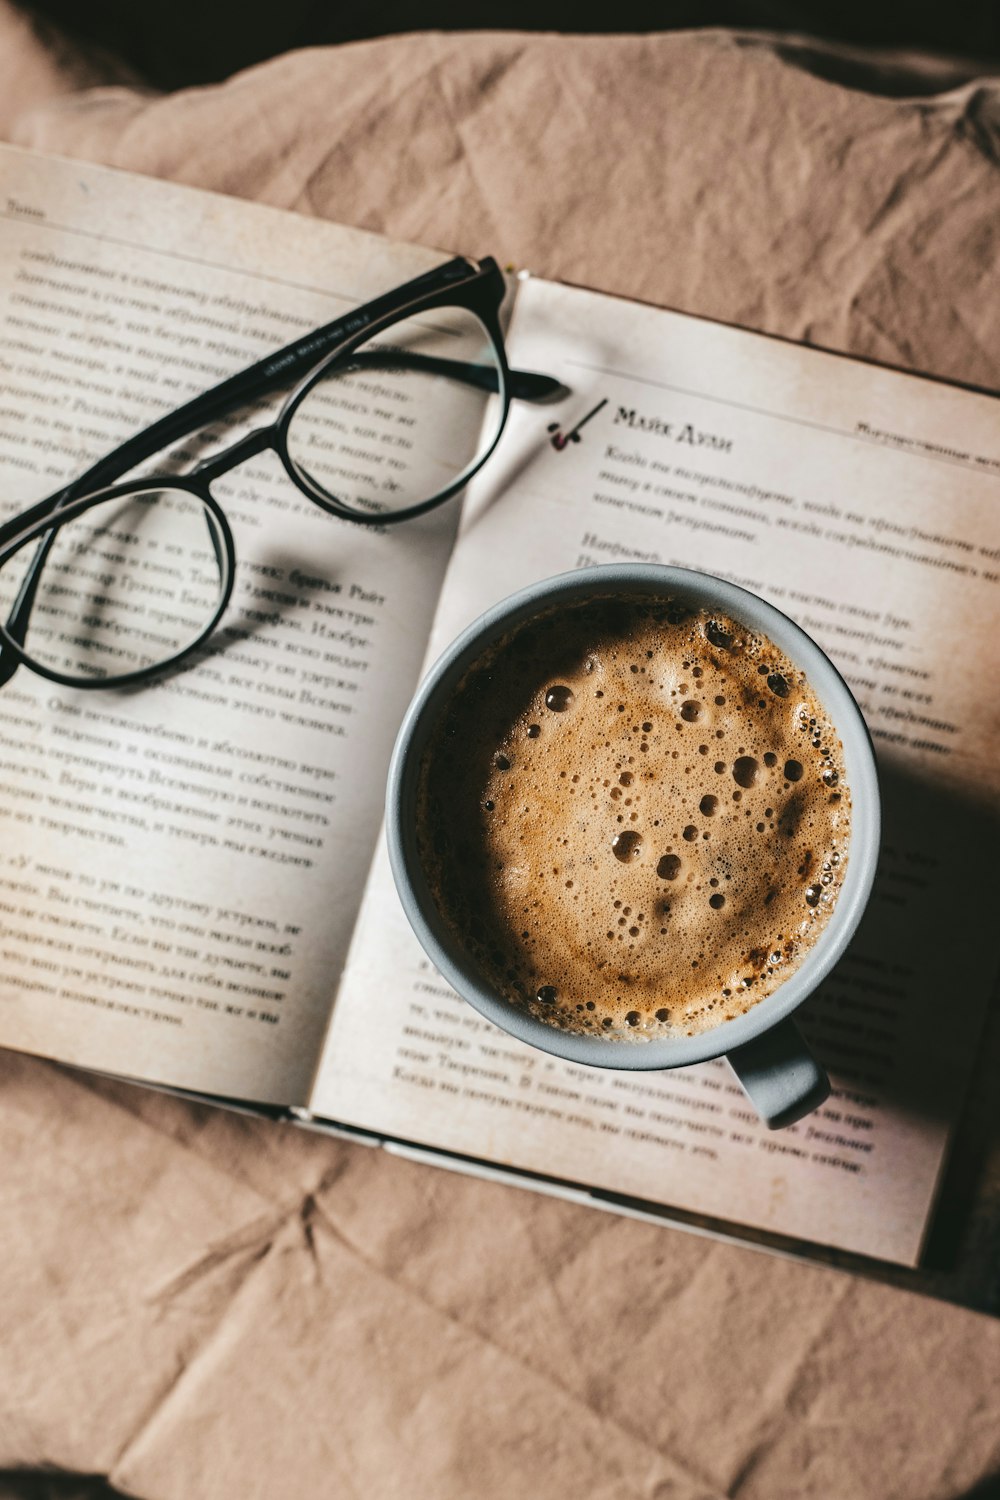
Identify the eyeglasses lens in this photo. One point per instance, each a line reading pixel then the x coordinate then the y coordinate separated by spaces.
pixel 404 417
pixel 123 587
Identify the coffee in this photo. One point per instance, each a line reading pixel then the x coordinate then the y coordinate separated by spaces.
pixel 634 816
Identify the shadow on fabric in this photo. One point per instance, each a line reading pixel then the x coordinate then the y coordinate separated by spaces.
pixel 233 34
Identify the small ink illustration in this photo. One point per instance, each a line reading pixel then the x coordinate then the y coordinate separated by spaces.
pixel 561 440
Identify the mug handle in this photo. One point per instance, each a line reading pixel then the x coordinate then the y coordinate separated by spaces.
pixel 779 1075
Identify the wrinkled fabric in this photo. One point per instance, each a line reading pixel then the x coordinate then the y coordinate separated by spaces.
pixel 197 1304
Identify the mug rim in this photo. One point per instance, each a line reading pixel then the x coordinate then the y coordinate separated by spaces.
pixel 704 590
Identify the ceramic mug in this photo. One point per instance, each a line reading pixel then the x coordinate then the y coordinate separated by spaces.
pixel 764 1046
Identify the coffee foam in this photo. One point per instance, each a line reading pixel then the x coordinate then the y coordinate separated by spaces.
pixel 634 817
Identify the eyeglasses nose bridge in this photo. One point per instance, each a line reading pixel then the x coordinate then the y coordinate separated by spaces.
pixel 248 446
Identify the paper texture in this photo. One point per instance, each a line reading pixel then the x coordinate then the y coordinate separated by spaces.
pixel 181 866
pixel 865 505
pixel 197 1303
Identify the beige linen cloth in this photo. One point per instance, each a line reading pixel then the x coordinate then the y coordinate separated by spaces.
pixel 195 1304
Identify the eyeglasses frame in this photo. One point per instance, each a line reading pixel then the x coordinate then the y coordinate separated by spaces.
pixel 477 286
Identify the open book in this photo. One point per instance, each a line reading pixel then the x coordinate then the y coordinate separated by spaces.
pixel 193 887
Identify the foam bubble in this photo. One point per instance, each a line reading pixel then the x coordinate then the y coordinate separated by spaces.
pixel 745 770
pixel 627 845
pixel 559 698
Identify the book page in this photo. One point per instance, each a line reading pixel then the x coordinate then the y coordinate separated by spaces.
pixel 180 864
pixel 866 504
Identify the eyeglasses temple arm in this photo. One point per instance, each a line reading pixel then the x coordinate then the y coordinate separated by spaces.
pixel 531 385
pixel 268 374
pixel 524 385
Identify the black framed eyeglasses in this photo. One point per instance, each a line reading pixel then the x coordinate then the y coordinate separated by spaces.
pixel 394 408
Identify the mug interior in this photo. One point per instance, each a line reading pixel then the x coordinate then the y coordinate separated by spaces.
pixel 698 590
